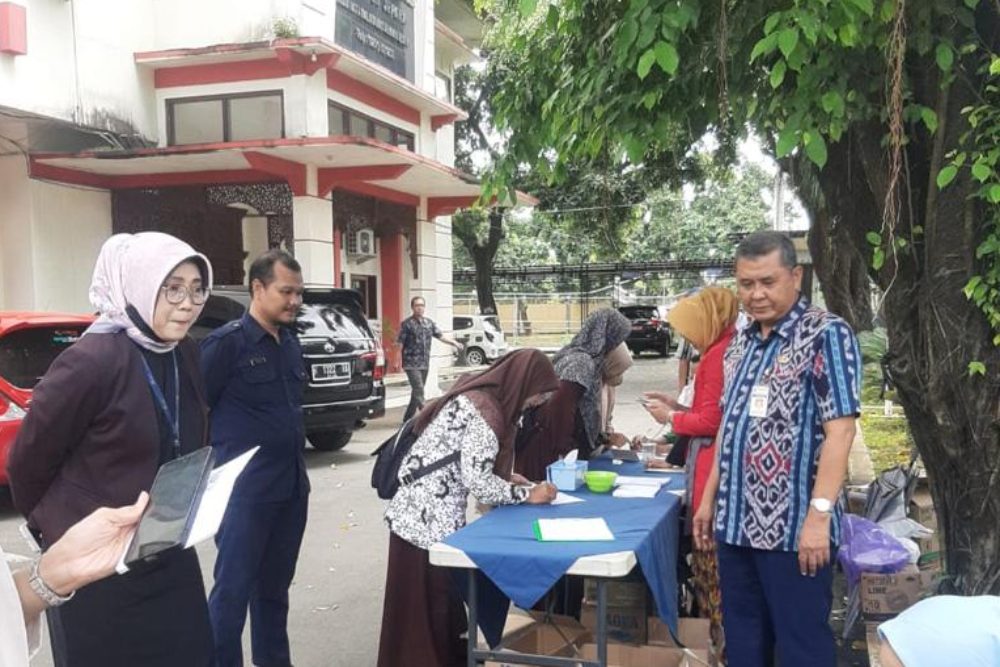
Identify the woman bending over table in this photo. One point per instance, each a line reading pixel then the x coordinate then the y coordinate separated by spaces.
pixel 423 617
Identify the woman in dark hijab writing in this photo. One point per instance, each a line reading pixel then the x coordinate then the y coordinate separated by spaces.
pixel 572 418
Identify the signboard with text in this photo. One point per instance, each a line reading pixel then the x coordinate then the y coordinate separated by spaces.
pixel 379 30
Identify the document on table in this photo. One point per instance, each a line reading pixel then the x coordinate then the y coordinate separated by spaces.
pixel 216 498
pixel 565 499
pixel 641 480
pixel 572 530
pixel 636 491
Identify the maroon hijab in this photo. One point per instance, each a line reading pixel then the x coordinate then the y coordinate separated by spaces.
pixel 499 393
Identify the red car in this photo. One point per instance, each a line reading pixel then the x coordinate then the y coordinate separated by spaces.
pixel 29 342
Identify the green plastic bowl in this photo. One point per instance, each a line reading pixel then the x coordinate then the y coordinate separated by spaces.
pixel 600 481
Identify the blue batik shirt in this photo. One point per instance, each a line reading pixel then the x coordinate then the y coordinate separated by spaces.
pixel 811 365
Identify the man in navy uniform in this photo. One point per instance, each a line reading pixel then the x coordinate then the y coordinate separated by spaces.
pixel 255 377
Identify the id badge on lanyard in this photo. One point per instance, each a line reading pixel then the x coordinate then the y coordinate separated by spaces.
pixel 760 395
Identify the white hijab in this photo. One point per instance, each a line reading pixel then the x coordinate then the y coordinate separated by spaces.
pixel 130 270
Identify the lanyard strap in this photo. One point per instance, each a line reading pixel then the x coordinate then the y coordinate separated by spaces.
pixel 173 420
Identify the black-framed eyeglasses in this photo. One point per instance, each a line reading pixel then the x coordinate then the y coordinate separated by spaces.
pixel 176 294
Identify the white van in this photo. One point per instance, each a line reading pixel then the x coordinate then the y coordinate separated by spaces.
pixel 482 337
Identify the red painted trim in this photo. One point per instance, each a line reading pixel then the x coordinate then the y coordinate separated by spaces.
pixel 251 144
pixel 13 29
pixel 438 122
pixel 391 260
pixel 377 191
pixel 300 63
pixel 447 205
pixel 340 82
pixel 337 268
pixel 293 172
pixel 50 172
pixel 241 70
pixel 119 182
pixel 329 178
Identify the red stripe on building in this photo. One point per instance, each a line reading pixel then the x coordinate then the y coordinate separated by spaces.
pixel 340 82
pixel 377 191
pixel 241 70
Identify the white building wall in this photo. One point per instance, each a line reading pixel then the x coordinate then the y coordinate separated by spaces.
pixel 69 226
pixel 49 239
pixel 17 286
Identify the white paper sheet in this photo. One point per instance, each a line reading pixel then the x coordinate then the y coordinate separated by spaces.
pixel 636 491
pixel 566 499
pixel 216 498
pixel 636 480
pixel 574 530
pixel 671 471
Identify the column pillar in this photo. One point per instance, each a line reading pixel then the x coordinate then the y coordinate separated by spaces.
pixel 391 264
pixel 312 220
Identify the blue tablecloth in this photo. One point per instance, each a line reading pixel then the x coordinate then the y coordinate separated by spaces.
pixel 503 546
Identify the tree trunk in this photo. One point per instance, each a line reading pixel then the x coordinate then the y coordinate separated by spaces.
pixel 933 331
pixel 483 253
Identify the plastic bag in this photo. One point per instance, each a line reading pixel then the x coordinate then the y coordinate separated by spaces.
pixel 866 547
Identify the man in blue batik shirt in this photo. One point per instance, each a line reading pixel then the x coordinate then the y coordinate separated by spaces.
pixel 791 397
pixel 255 376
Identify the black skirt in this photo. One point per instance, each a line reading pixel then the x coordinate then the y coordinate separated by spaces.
pixel 154 615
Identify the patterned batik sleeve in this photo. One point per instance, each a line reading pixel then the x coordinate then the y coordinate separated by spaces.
pixel 479 452
pixel 435 330
pixel 837 373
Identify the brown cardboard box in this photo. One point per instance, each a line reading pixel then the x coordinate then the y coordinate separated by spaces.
pixel 623 655
pixel 871 638
pixel 625 624
pixel 620 593
pixel 559 635
pixel 886 595
pixel 921 508
pixel 692 633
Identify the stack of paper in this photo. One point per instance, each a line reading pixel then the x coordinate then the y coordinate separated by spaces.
pixel 641 480
pixel 572 530
pixel 636 491
pixel 639 486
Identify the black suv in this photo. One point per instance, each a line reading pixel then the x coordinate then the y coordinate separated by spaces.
pixel 343 359
pixel 649 332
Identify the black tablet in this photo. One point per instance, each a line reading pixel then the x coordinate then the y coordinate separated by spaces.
pixel 173 504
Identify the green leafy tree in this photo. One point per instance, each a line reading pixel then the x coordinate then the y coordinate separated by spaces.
pixel 709 223
pixel 886 112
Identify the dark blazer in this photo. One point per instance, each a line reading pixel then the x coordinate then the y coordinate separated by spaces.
pixel 91 437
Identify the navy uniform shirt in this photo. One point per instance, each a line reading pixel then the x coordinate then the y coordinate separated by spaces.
pixel 254 386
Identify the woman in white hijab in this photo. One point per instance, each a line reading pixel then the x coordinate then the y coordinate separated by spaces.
pixel 113 407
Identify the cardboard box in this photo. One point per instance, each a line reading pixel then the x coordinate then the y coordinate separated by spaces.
pixel 627 593
pixel 886 595
pixel 693 633
pixel 874 645
pixel 623 655
pixel 921 508
pixel 625 624
pixel 558 635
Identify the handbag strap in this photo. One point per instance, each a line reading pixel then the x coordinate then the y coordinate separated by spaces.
pixel 410 477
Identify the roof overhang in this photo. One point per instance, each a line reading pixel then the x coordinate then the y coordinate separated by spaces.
pixel 355 164
pixel 287 57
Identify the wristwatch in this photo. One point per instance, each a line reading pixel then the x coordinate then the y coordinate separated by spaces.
pixel 42 590
pixel 821 505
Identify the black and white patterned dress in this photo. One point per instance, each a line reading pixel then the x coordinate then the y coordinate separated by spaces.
pixel 434 506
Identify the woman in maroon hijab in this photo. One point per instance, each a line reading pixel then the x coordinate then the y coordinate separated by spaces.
pixel 423 617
